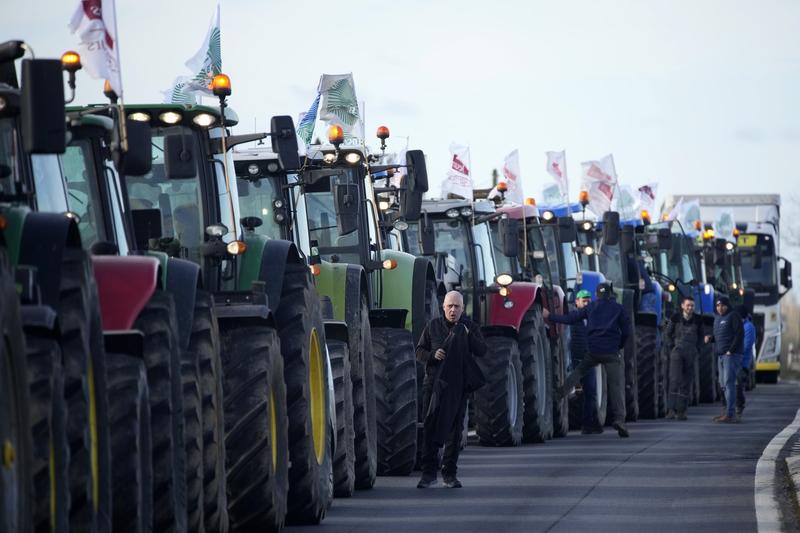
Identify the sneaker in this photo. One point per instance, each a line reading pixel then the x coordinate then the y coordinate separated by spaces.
pixel 670 415
pixel 426 481
pixel 719 417
pixel 451 482
pixel 621 430
pixel 726 420
pixel 591 430
pixel 681 416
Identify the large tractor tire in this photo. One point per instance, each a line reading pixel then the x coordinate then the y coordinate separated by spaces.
pixel 85 394
pixel 647 367
pixel 48 417
pixel 537 377
pixel 193 441
pixel 305 370
pixel 131 444
pixel 204 342
pixel 707 369
pixel 663 379
pixel 16 485
pixel 396 399
pixel 498 404
pixel 162 359
pixel 344 476
pixel 631 380
pixel 364 404
pixel 560 405
pixel 256 426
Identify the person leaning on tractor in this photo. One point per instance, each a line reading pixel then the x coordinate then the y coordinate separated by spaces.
pixel 446 347
pixel 728 345
pixel 684 335
pixel 608 327
pixel 590 423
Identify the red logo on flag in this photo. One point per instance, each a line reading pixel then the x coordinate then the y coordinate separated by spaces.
pixel 459 166
pixel 557 170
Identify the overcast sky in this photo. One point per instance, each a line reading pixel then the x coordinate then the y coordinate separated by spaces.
pixel 699 95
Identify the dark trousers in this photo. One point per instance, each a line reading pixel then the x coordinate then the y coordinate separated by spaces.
pixel 742 378
pixel 615 373
pixel 681 374
pixel 589 409
pixel 452 447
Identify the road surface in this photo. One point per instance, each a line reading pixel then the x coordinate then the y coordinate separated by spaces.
pixel 669 476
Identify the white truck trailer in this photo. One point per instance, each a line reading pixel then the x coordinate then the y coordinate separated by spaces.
pixel 769 275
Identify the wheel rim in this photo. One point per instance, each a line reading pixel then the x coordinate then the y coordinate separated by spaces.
pixel 93 438
pixel 598 378
pixel 9 439
pixel 541 378
pixel 317 386
pixel 273 429
pixel 512 394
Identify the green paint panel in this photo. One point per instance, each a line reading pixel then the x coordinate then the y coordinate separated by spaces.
pixel 250 261
pixel 332 282
pixel 15 220
pixel 398 284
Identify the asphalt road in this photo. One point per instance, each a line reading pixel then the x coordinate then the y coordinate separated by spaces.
pixel 668 476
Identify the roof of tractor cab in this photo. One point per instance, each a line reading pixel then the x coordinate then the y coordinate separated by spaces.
pixel 441 206
pixel 519 211
pixel 187 111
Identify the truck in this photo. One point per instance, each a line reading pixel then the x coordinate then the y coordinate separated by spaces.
pixel 764 270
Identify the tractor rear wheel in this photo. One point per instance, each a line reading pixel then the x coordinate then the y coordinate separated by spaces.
pixel 344 475
pixel 647 371
pixel 396 399
pixel 537 376
pixel 707 368
pixel 193 441
pixel 256 426
pixel 364 406
pixel 499 404
pixel 131 442
pixel 560 405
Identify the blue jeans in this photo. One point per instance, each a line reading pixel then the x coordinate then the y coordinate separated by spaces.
pixel 728 368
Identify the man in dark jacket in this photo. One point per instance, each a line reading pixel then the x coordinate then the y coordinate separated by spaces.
pixel 743 378
pixel 608 326
pixel 590 423
pixel 446 347
pixel 684 336
pixel 728 342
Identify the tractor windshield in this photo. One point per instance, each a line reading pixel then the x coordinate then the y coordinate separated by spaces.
pixel 759 270
pixel 484 253
pixel 167 213
pixel 611 264
pixel 257 198
pixel 320 208
pixel 83 195
pixel 537 260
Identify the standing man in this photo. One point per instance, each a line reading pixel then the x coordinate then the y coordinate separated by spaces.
pixel 728 345
pixel 685 337
pixel 590 423
pixel 607 327
pixel 446 347
pixel 743 376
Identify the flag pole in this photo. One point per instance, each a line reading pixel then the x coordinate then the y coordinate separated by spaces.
pixel 123 134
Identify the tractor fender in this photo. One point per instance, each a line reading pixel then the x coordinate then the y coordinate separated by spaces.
pixel 336 330
pixel 499 331
pixel 344 284
pixel 651 302
pixel 124 286
pixel 275 256
pixel 523 295
pixel 44 238
pixel 422 275
pixel 403 282
pixel 590 280
pixel 183 278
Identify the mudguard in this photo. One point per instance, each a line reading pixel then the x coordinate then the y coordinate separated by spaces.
pixel 124 286
pixel 250 262
pixel 589 281
pixel 652 303
pixel 46 236
pixel 344 284
pixel 523 294
pixel 183 279
pixel 400 285
pixel 275 255
pixel 423 275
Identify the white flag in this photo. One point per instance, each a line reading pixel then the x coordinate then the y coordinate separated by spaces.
pixel 94 22
pixel 207 62
pixel 459 177
pixel 647 197
pixel 180 92
pixel 626 202
pixel 511 177
pixel 724 225
pixel 599 179
pixel 551 195
pixel 557 167
pixel 339 104
pixel 688 214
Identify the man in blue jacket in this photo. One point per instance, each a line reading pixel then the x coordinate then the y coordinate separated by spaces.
pixel 590 422
pixel 607 327
pixel 728 345
pixel 747 360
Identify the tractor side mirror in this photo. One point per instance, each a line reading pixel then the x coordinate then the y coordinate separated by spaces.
pixel 179 156
pixel 509 233
pixel 42 111
pixel 626 240
pixel 566 230
pixel 664 239
pixel 417 172
pixel 426 237
pixel 410 201
pixel 138 160
pixel 284 142
pixel 610 228
pixel 346 198
pixel 786 273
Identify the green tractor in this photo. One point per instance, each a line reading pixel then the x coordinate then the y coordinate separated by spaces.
pixel 384 297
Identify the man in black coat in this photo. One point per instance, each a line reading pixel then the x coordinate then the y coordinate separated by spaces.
pixel 684 336
pixel 446 348
pixel 608 326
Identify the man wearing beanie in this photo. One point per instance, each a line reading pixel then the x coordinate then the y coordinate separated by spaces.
pixel 728 339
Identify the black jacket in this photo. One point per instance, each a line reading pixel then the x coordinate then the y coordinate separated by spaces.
pixel 435 334
pixel 728 333
pixel 682 333
pixel 608 325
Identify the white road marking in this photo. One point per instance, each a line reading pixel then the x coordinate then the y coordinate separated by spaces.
pixel 768 515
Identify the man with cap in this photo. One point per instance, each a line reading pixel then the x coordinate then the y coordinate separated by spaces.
pixel 590 423
pixel 684 336
pixel 608 327
pixel 728 339
pixel 743 377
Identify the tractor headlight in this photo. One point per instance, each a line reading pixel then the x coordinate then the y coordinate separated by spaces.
pixel 329 158
pixel 466 211
pixel 548 216
pixel 216 230
pixel 503 279
pixel 170 117
pixel 252 169
pixel 139 116
pixel 452 213
pixel 400 224
pixel 588 250
pixel 204 120
pixel 353 158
